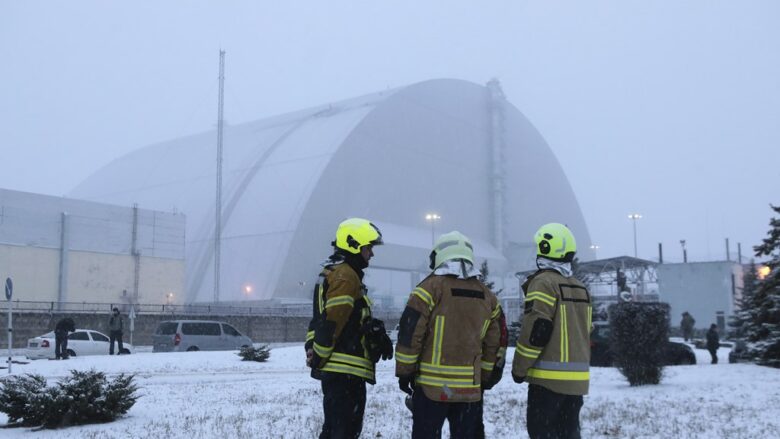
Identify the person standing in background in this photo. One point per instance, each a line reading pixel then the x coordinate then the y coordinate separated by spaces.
pixel 115 332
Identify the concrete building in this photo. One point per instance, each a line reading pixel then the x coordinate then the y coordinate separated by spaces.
pixel 65 250
pixel 449 147
pixel 707 290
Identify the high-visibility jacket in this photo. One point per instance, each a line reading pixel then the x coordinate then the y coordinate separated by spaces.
pixel 449 337
pixel 340 308
pixel 553 348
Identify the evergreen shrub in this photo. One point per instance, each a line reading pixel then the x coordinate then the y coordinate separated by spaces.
pixel 639 333
pixel 81 398
pixel 250 353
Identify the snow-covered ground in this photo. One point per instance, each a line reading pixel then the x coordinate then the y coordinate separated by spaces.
pixel 214 394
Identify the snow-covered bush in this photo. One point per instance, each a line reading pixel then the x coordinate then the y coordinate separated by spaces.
pixel 249 353
pixel 81 398
pixel 638 337
pixel 16 398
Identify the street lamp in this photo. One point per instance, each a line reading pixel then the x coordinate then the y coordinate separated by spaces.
pixel 595 249
pixel 432 218
pixel 685 251
pixel 634 217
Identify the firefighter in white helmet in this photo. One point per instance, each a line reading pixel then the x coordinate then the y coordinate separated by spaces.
pixel 448 342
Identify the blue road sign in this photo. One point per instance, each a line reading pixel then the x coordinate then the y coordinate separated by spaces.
pixel 9 288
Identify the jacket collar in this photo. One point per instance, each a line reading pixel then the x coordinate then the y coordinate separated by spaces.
pixel 460 268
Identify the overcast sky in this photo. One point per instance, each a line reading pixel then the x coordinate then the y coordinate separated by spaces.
pixel 666 108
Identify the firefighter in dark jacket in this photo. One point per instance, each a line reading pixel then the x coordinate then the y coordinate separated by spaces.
pixel 448 342
pixel 344 341
pixel 61 330
pixel 553 348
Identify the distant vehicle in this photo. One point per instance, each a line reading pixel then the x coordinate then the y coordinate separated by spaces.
pixel 675 354
pixel 81 342
pixel 197 335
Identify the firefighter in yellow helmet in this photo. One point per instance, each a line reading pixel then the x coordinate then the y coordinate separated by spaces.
pixel 553 349
pixel 343 341
pixel 448 342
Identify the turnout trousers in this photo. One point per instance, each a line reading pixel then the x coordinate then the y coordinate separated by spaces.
pixel 428 417
pixel 552 415
pixel 343 403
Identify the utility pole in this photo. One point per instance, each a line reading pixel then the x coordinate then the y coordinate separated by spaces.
pixel 218 209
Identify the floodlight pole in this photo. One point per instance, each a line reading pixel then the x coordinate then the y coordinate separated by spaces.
pixel 634 217
pixel 218 208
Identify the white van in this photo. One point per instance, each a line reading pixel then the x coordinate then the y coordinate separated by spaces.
pixel 197 335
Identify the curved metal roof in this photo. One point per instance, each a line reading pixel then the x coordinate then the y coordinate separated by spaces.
pixel 391 157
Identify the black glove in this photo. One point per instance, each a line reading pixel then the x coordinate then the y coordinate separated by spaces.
pixel 386 346
pixel 406 384
pixel 518 379
pixel 379 344
pixel 495 375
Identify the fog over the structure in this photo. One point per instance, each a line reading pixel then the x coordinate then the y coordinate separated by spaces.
pixel 665 109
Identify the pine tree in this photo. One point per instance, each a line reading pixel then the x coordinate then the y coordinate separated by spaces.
pixel 484 271
pixel 764 330
pixel 741 321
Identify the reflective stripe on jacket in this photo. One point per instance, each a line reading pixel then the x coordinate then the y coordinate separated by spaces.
pixel 340 307
pixel 553 348
pixel 449 337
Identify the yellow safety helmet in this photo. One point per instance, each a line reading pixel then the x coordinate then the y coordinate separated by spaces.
pixel 555 241
pixel 355 233
pixel 452 245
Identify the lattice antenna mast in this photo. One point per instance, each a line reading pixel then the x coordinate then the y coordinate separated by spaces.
pixel 218 209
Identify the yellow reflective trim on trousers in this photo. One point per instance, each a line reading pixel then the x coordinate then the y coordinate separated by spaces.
pixel 438 337
pixel 310 335
pixel 540 297
pixel 447 370
pixel 406 359
pixel 340 300
pixel 424 296
pixel 344 368
pixel 322 351
pixel 351 359
pixel 558 375
pixel 454 383
pixel 487 365
pixel 485 327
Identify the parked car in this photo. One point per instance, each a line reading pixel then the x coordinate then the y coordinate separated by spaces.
pixel 197 335
pixel 80 342
pixel 601 355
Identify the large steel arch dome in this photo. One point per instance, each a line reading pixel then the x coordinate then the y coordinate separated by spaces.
pixel 451 147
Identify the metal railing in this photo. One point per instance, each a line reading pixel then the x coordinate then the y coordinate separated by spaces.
pixel 298 310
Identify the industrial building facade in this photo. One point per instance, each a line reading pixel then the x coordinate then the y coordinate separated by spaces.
pixel 62 250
